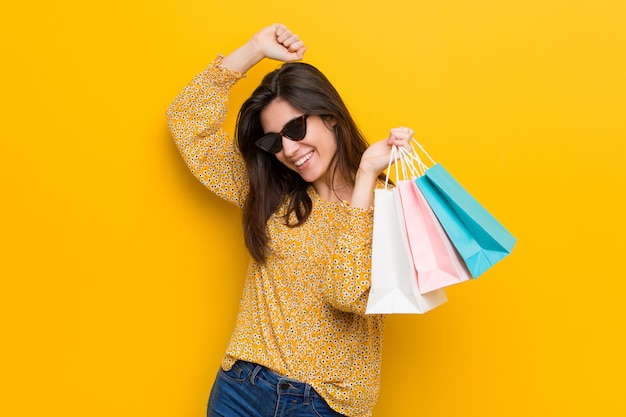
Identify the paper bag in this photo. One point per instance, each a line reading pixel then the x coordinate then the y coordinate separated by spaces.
pixel 478 237
pixel 393 278
pixel 436 261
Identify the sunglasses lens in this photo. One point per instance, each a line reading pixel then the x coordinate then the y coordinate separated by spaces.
pixel 296 129
pixel 271 143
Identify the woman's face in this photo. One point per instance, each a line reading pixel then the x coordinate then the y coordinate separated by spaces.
pixel 310 157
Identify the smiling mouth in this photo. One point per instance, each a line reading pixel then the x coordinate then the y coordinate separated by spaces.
pixel 302 160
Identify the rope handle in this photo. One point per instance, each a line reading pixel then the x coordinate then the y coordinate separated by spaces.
pixel 411 164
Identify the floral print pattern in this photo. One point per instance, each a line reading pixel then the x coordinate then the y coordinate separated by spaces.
pixel 302 312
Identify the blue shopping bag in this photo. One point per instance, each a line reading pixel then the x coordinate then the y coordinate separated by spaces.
pixel 478 237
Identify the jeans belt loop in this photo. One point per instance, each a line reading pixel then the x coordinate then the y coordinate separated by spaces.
pixel 307 393
pixel 256 370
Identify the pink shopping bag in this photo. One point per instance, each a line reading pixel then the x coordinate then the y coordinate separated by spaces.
pixel 435 259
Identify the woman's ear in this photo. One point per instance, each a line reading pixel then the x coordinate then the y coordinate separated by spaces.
pixel 330 121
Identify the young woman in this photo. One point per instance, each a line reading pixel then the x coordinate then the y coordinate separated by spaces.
pixel 304 177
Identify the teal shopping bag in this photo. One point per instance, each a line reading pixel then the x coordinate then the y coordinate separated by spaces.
pixel 478 237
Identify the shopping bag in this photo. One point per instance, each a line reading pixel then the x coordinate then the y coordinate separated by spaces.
pixel 476 234
pixel 435 259
pixel 393 277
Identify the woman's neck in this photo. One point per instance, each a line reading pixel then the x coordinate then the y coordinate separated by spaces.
pixel 335 192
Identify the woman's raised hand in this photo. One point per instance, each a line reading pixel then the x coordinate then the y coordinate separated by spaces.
pixel 279 43
pixel 273 42
pixel 374 161
pixel 376 158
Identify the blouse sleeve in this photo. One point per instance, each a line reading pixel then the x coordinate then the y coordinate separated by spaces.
pixel 348 279
pixel 195 119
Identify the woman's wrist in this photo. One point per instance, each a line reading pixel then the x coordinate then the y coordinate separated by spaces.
pixel 244 57
pixel 363 193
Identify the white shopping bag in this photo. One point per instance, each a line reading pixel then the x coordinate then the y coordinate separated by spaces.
pixel 394 286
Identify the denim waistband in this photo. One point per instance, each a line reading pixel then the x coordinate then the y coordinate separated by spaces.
pixel 283 385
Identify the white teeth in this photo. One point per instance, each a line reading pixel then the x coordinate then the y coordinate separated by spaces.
pixel 303 159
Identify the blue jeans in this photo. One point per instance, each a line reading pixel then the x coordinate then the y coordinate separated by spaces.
pixel 250 390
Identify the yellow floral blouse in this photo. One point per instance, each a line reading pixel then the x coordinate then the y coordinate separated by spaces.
pixel 302 312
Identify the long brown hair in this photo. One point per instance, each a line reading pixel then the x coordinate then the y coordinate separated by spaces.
pixel 309 91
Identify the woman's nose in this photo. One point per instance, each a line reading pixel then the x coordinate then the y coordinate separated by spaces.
pixel 290 147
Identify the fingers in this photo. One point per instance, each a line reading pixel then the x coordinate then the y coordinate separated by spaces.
pixel 289 40
pixel 401 136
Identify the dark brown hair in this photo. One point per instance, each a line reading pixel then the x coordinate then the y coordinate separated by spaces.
pixel 271 183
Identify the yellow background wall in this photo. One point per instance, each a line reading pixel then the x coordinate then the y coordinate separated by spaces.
pixel 120 274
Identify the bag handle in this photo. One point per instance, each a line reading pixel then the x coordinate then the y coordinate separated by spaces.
pixel 416 161
pixel 392 157
pixel 419 145
pixel 411 164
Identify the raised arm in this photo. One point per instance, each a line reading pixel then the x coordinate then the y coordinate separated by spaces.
pixel 274 42
pixel 197 114
pixel 348 279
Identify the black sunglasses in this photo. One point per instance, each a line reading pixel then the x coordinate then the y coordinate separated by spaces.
pixel 294 129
